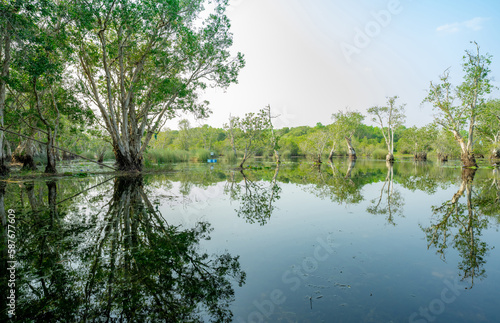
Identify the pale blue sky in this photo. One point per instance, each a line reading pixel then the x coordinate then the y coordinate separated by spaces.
pixel 308 59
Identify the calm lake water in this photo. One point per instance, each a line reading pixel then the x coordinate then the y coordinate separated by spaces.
pixel 363 242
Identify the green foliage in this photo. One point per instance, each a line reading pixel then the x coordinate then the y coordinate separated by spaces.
pixel 378 154
pixel 251 133
pixel 489 125
pixel 414 140
pixel 315 144
pixel 159 157
pixel 141 61
pixel 460 119
pixel 202 155
pixel 389 118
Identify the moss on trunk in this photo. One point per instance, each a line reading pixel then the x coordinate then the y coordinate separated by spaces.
pixel 469 160
pixel 389 158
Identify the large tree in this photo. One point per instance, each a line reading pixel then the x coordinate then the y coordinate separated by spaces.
pixel 462 118
pixel 250 133
pixel 141 61
pixel 389 118
pixel 315 144
pixel 347 122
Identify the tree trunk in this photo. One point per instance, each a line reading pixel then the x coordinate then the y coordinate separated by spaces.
pixel 8 150
pixel 468 175
pixel 277 156
pixel 495 154
pixel 389 158
pixel 24 154
pixel 318 159
pixel 51 155
pixel 4 74
pixel 351 151
pixel 420 156
pixel 442 157
pixel 330 156
pixel 100 156
pixel 245 157
pixel 52 199
pixel 468 160
pixel 125 161
pixel 231 135
pixel 351 165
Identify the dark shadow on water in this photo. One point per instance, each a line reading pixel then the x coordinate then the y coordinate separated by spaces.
pixel 125 263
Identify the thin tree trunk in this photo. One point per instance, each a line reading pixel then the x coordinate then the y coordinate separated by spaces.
pixel 273 137
pixel 51 156
pixel 350 167
pixel 352 152
pixel 8 150
pixel 330 156
pixel 4 170
pixel 318 159
pixel 243 160
pixel 231 136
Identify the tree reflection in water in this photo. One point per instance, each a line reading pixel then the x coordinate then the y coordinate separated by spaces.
pixel 256 198
pixel 460 224
pixel 393 203
pixel 124 264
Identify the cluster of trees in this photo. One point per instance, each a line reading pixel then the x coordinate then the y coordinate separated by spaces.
pixel 347 135
pixel 466 124
pixel 122 67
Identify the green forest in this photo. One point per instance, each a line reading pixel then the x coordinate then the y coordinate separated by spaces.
pixel 98 80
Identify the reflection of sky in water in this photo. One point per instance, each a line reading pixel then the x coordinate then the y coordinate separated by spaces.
pixel 375 272
pixel 349 265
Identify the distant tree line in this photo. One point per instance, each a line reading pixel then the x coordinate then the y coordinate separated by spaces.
pixel 346 136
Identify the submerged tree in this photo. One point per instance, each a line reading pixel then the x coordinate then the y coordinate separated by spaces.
pixel 471 93
pixel 315 144
pixel 250 133
pixel 389 118
pixel 141 61
pixel 346 124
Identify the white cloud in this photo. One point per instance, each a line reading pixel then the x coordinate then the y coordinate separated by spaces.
pixel 473 24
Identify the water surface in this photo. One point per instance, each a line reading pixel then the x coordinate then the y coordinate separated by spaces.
pixel 343 242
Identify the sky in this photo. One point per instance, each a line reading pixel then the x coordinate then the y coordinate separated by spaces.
pixel 310 59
